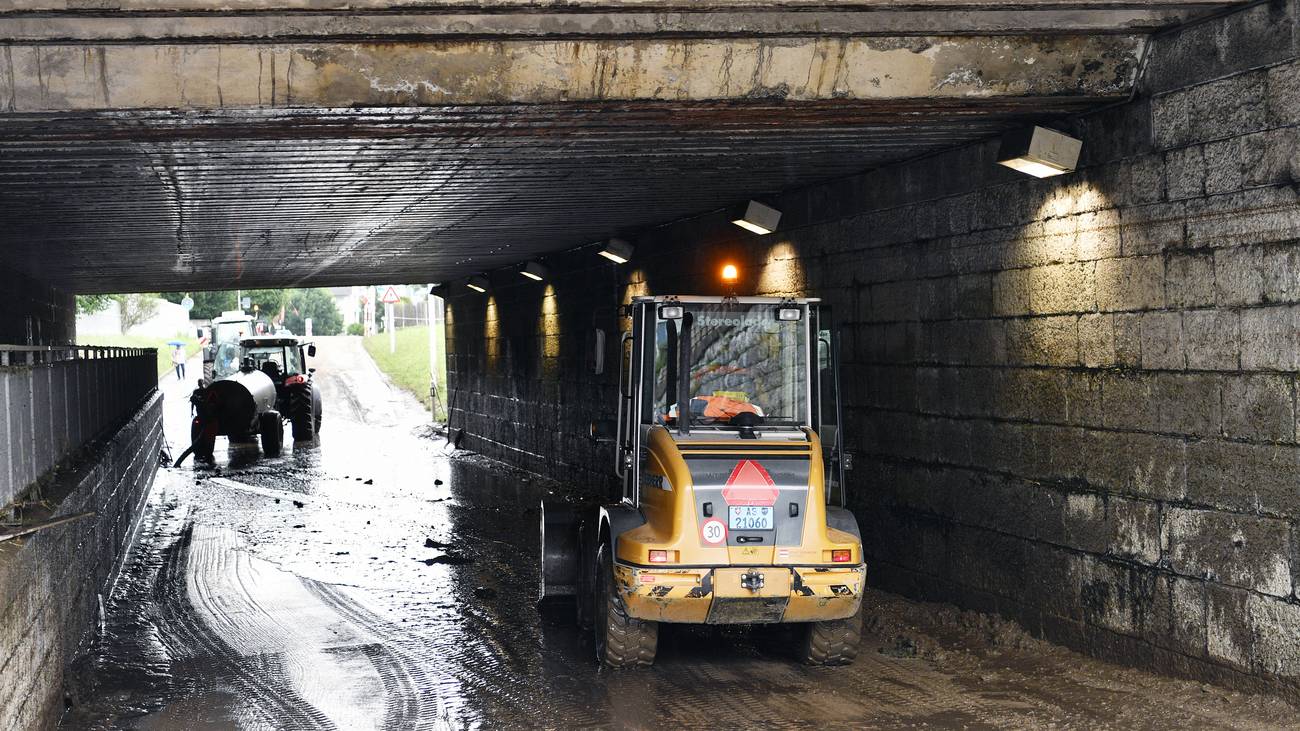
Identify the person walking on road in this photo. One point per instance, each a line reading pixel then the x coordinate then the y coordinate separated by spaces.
pixel 178 360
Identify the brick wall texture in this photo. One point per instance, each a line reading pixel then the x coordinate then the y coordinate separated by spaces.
pixel 50 583
pixel 33 313
pixel 1071 401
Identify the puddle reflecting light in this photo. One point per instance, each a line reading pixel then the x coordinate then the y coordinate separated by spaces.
pixel 1039 152
pixel 478 283
pixel 534 271
pixel 759 218
pixel 617 251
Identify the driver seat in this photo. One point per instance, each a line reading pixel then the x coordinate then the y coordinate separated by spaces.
pixel 272 370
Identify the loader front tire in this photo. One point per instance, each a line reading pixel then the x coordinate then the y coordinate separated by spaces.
pixel 833 642
pixel 622 641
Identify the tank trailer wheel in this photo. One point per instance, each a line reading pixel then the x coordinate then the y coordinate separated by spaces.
pixel 301 415
pixel 833 642
pixel 621 641
pixel 272 431
pixel 203 448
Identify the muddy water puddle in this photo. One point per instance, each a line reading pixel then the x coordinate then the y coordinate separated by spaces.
pixel 375 580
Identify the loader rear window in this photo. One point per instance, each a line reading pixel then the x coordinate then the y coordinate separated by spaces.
pixel 741 359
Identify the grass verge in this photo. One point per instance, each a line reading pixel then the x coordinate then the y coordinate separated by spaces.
pixel 408 365
pixel 143 341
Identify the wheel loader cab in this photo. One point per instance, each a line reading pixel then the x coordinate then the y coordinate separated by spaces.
pixel 732 508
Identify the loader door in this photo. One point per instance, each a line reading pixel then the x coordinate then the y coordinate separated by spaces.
pixel 631 394
pixel 829 413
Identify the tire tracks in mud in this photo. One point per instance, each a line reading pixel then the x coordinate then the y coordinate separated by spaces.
pixel 403 674
pixel 264 686
pixel 457 678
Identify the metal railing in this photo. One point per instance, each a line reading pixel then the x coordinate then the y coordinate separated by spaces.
pixel 19 355
pixel 57 399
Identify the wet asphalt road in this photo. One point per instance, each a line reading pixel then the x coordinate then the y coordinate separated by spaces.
pixel 375 580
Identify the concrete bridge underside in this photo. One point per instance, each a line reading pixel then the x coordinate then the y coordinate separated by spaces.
pixel 166 144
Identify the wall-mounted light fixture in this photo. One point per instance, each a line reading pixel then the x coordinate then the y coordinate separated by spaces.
pixel 534 271
pixel 616 250
pixel 759 218
pixel 730 274
pixel 1039 151
pixel 478 283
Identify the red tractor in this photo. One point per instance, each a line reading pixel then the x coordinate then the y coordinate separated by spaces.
pixel 271 384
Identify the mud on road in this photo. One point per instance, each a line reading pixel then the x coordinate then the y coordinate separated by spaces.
pixel 375 579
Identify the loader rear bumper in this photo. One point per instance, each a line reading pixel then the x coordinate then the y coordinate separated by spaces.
pixel 729 595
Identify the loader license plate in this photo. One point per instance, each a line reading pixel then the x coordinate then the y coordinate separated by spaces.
pixel 749 517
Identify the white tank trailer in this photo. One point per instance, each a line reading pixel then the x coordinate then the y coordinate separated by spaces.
pixel 238 406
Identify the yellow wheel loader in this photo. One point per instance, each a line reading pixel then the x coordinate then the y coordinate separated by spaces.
pixel 728 445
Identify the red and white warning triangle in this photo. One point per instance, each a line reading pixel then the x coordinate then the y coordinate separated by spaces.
pixel 749 484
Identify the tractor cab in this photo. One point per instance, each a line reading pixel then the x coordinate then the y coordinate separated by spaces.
pixel 221 354
pixel 727 443
pixel 280 357
pixel 283 358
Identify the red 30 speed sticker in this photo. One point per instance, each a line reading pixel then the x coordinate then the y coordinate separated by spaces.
pixel 714 531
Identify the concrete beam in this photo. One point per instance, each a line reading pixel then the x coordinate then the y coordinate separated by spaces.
pixel 295 26
pixel 100 6
pixel 35 78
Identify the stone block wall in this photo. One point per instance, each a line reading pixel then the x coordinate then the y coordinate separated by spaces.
pixel 51 582
pixel 34 313
pixel 1071 401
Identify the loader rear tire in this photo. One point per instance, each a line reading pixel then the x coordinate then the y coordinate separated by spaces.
pixel 833 642
pixel 622 641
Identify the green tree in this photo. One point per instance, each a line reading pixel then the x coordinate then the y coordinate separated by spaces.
pixel 318 304
pixel 89 304
pixel 207 305
pixel 268 302
pixel 136 308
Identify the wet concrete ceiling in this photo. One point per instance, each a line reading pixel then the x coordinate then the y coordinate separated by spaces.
pixel 162 147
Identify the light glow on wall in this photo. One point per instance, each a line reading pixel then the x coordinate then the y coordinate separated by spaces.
pixel 782 274
pixel 550 328
pixel 492 333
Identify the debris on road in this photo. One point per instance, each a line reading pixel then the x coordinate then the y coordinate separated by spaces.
pixel 448 559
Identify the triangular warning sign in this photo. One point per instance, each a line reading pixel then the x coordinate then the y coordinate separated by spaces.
pixel 390 297
pixel 749 484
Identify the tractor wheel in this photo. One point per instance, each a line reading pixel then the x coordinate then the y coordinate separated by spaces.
pixel 301 414
pixel 621 641
pixel 272 430
pixel 202 447
pixel 833 642
pixel 316 409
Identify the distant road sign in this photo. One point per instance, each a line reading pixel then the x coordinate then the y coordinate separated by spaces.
pixel 187 303
pixel 246 302
pixel 390 297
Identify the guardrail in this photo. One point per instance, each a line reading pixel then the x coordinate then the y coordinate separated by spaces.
pixel 12 355
pixel 56 399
